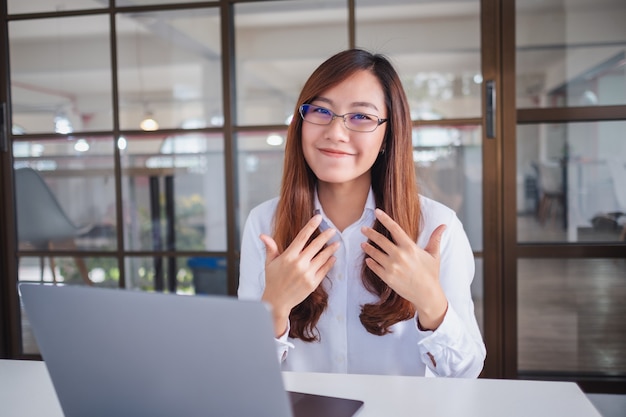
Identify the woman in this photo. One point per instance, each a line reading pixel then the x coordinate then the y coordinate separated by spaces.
pixel 362 274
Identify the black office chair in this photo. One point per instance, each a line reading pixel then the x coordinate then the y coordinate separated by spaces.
pixel 41 221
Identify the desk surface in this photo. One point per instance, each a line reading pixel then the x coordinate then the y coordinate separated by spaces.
pixel 26 390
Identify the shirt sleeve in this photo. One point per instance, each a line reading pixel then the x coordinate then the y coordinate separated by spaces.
pixel 283 344
pixel 252 265
pixel 456 347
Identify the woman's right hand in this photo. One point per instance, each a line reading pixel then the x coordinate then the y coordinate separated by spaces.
pixel 295 273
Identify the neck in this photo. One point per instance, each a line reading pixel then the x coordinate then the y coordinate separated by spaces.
pixel 343 203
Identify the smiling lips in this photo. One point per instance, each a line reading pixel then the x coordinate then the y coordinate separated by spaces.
pixel 334 153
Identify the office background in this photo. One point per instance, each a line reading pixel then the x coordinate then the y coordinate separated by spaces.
pixel 154 126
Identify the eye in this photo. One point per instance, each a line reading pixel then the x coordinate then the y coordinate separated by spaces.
pixel 362 117
pixel 321 110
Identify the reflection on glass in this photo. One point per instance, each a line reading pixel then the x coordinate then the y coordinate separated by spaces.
pixel 60 74
pixel 201 275
pixel 174 192
pixel 571 315
pixel 571 182
pixel 65 194
pixel 141 273
pixel 561 62
pixel 448 161
pixel 21 6
pixel 436 48
pixel 151 2
pixel 98 271
pixel 279 43
pixel 260 168
pixel 169 69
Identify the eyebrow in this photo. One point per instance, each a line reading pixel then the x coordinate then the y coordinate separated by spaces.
pixel 353 104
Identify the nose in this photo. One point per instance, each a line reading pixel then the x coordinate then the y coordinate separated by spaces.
pixel 337 129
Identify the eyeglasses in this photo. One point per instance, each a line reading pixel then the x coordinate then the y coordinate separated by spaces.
pixel 357 122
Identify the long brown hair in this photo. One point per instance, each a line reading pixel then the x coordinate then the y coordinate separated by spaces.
pixel 393 184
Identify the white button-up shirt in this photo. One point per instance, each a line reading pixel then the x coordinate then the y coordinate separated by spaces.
pixel 456 347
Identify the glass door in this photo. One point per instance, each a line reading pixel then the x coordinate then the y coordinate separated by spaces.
pixel 570 202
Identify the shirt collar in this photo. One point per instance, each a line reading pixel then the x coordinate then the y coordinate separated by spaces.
pixel 368 210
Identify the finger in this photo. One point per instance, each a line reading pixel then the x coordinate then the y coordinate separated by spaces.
pixel 435 241
pixel 376 268
pixel 379 239
pixel 398 234
pixel 374 253
pixel 323 256
pixel 318 243
pixel 325 269
pixel 271 248
pixel 324 261
pixel 305 233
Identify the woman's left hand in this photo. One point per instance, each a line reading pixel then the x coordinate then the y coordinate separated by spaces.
pixel 410 271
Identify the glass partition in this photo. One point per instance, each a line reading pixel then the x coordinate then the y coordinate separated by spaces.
pixel 571 315
pixel 151 2
pixel 65 191
pixel 435 46
pixel 278 45
pixel 260 167
pixel 571 182
pixel 448 162
pixel 78 270
pixel 169 69
pixel 561 62
pixel 200 275
pixel 21 6
pixel 60 82
pixel 174 192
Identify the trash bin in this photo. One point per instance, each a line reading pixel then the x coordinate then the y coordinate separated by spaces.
pixel 209 275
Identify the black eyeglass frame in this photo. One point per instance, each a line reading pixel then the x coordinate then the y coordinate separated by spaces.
pixel 303 109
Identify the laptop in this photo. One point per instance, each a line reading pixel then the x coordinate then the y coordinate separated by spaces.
pixel 113 352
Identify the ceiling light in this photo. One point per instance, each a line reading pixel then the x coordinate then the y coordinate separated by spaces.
pixel 81 145
pixel 122 143
pixel 274 139
pixel 62 124
pixel 148 123
pixel 217 120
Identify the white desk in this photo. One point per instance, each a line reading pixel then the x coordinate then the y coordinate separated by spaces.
pixel 449 397
pixel 26 391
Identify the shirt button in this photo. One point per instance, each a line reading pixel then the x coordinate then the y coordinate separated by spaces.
pixel 339 318
pixel 340 277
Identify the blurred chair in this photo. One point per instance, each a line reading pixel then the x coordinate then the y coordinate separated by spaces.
pixel 42 222
pixel 551 195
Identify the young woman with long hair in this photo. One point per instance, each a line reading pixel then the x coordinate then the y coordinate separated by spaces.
pixel 362 274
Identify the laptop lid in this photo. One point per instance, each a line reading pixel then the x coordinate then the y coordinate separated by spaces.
pixel 112 352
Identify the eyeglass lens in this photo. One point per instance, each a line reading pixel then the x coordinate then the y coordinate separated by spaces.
pixel 359 122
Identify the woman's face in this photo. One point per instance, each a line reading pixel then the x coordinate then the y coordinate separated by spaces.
pixel 336 154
